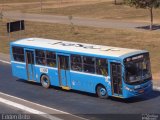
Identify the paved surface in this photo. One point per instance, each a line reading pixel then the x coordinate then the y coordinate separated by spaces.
pixel 74 102
pixel 32 109
pixel 9 110
pixel 76 20
pixel 4 57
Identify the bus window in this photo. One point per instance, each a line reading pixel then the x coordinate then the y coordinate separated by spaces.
pixel 63 62
pixel 101 66
pixel 89 64
pixel 51 59
pixel 40 57
pixel 138 70
pixel 18 54
pixel 76 62
pixel 30 57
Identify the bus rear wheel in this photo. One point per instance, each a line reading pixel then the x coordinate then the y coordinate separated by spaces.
pixel 45 81
pixel 101 92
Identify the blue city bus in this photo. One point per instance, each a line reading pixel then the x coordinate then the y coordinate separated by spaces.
pixel 103 70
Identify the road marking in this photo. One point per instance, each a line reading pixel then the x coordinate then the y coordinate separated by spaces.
pixel 30 110
pixel 34 103
pixel 156 88
pixel 43 106
pixel 5 62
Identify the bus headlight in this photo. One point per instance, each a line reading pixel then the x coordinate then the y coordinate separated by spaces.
pixel 129 89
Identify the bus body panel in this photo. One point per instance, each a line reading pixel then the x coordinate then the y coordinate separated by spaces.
pixel 87 82
pixel 65 78
pixel 137 90
pixel 52 73
pixel 19 70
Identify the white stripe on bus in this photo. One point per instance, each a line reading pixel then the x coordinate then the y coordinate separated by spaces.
pixel 18 62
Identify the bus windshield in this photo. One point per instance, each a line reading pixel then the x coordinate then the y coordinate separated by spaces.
pixel 138 69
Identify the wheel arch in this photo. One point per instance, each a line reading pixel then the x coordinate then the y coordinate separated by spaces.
pixel 42 75
pixel 99 84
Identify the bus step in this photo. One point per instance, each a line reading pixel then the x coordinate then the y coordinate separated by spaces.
pixel 65 87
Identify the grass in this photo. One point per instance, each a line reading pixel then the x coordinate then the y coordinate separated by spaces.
pixel 103 10
pixel 27 5
pixel 137 39
pixel 21 1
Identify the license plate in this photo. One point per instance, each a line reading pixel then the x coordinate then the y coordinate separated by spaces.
pixel 141 91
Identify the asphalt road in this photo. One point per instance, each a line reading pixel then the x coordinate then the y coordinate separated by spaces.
pixel 6 110
pixel 91 22
pixel 74 102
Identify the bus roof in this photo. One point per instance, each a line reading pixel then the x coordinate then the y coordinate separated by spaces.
pixel 77 47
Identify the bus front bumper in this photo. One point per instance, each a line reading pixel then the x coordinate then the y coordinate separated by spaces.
pixel 143 89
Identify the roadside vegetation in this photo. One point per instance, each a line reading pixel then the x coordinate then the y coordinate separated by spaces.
pixel 145 4
pixel 22 1
pixel 103 10
pixel 27 5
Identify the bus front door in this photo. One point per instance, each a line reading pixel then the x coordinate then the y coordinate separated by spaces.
pixel 63 71
pixel 30 64
pixel 116 78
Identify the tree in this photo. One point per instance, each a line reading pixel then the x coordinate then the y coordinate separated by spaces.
pixel 1 15
pixel 71 23
pixel 146 4
pixel 115 2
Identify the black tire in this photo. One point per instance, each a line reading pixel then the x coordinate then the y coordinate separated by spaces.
pixel 45 81
pixel 101 92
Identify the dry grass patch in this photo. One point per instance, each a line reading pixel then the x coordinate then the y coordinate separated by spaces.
pixel 111 37
pixel 21 1
pixel 35 5
pixel 103 10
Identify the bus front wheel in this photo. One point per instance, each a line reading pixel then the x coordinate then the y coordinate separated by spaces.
pixel 45 81
pixel 102 92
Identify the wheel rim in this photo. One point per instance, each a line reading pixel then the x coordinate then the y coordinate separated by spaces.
pixel 45 81
pixel 103 91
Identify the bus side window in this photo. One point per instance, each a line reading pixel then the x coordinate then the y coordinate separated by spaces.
pixel 40 57
pixel 76 62
pixel 18 54
pixel 51 59
pixel 89 64
pixel 101 66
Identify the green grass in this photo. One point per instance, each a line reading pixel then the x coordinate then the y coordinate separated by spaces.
pixel 136 39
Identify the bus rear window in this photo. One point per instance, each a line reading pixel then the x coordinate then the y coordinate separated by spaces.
pixel 18 54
